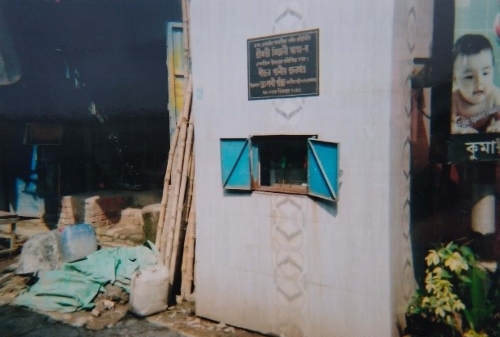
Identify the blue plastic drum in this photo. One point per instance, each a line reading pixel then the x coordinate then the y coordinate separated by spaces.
pixel 76 242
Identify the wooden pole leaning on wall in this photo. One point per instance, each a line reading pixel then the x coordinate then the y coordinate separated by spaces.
pixel 161 230
pixel 166 185
pixel 189 199
pixel 181 198
pixel 173 193
pixel 187 219
pixel 168 233
pixel 188 256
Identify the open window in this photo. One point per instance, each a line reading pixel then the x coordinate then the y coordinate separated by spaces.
pixel 298 164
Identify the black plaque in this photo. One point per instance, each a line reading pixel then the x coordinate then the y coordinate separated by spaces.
pixel 474 147
pixel 284 65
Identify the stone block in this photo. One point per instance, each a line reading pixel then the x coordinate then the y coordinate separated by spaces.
pixel 136 238
pixel 150 217
pixel 123 232
pixel 102 230
pixel 104 238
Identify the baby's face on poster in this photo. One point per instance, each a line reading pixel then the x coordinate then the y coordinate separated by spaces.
pixel 473 76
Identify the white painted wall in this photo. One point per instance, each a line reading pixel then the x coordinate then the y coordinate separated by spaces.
pixel 346 260
pixel 412 37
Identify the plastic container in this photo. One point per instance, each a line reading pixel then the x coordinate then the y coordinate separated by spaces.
pixel 149 290
pixel 76 242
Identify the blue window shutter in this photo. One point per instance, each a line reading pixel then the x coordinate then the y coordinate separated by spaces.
pixel 235 163
pixel 255 165
pixel 322 169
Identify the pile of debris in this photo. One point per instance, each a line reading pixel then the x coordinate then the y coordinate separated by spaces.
pixel 107 300
pixel 109 306
pixel 11 285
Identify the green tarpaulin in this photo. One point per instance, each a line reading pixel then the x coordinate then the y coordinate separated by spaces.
pixel 75 285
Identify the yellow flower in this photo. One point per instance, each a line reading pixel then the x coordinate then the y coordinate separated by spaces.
pixel 440 311
pixel 456 263
pixel 458 305
pixel 473 333
pixel 432 258
pixel 429 287
pixel 438 271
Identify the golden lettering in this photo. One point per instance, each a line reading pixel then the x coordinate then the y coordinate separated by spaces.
pixel 281 82
pixel 297 70
pixel 259 53
pixel 280 70
pixel 280 41
pixel 277 52
pixel 305 37
pixel 264 72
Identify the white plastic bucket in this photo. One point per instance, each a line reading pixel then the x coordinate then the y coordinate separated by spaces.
pixel 149 290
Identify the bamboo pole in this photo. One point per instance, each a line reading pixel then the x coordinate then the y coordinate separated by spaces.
pixel 174 183
pixel 188 256
pixel 168 172
pixel 186 220
pixel 173 198
pixel 166 185
pixel 190 186
pixel 181 197
pixel 166 182
pixel 184 261
pixel 168 235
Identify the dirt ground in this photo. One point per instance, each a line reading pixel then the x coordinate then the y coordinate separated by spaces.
pixel 180 318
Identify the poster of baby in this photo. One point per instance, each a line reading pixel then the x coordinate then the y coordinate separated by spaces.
pixel 475 98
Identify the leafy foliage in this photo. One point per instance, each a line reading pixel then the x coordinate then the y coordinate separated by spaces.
pixel 454 293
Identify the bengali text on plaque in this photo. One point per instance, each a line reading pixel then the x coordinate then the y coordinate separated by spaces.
pixel 284 65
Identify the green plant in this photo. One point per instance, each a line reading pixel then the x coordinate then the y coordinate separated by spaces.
pixel 454 292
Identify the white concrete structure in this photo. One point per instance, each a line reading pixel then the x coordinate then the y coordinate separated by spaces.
pixel 293 265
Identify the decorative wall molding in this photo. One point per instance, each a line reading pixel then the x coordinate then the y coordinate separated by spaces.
pixel 288 16
pixel 406 266
pixel 289 241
